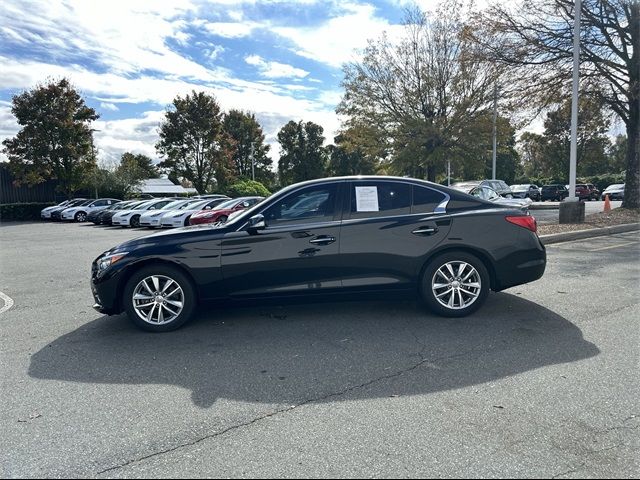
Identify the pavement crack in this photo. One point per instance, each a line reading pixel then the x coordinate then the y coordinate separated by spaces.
pixel 570 471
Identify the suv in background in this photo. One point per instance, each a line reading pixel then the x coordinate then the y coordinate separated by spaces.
pixel 554 192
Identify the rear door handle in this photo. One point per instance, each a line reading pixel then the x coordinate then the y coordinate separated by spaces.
pixel 322 240
pixel 425 231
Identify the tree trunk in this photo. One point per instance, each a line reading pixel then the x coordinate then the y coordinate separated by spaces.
pixel 632 179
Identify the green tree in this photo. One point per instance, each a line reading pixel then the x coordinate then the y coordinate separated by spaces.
pixel 420 93
pixel 55 140
pixel 302 156
pixel 194 143
pixel 533 39
pixel 248 188
pixel 617 154
pixel 249 147
pixel 136 167
pixel 593 142
pixel 347 158
pixel 531 147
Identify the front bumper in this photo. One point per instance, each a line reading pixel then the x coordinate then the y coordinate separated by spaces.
pixel 122 222
pixel 150 222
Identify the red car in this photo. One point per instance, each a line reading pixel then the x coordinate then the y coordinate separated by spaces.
pixel 222 212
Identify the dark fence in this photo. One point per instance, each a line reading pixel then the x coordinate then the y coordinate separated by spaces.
pixel 41 193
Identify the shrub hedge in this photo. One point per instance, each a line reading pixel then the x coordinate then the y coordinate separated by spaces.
pixel 21 211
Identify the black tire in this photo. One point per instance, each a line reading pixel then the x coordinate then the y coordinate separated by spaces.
pixel 189 297
pixel 80 217
pixel 135 221
pixel 223 218
pixel 429 273
pixel 187 221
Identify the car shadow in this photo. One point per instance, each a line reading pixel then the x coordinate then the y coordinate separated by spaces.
pixel 293 353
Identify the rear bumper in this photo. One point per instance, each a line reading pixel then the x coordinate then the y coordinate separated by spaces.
pixel 522 266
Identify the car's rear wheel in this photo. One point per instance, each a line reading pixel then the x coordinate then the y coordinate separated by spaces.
pixel 80 217
pixel 159 298
pixel 455 284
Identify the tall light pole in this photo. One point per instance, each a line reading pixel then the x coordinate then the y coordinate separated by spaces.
pixel 574 103
pixel 572 210
pixel 495 130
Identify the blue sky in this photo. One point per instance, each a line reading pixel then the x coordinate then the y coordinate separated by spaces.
pixel 279 59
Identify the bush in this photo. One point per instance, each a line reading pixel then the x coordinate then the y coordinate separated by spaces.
pixel 248 188
pixel 22 211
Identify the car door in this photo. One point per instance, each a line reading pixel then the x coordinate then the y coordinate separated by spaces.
pixel 298 251
pixel 388 231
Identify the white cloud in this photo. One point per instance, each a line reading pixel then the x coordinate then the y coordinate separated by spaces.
pixel 275 69
pixel 231 29
pixel 109 106
pixel 337 40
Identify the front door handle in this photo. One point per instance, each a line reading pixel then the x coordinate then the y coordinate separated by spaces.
pixel 322 240
pixel 425 231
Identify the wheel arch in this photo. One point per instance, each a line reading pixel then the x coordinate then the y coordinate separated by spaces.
pixel 136 267
pixel 482 256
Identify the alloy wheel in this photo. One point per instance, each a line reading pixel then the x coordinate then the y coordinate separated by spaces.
pixel 456 285
pixel 158 299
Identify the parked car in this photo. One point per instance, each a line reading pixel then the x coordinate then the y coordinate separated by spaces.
pixel 45 213
pixel 130 217
pixel 595 193
pixel 180 218
pixel 526 190
pixel 499 186
pixel 57 213
pixel 223 211
pixel 153 218
pixel 585 192
pixel 370 234
pixel 79 213
pixel 106 216
pixel 97 216
pixel 615 192
pixel 490 195
pixel 211 196
pixel 554 193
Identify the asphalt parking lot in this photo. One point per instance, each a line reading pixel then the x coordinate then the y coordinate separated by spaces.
pixel 541 382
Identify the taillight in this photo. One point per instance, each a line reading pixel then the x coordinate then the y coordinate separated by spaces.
pixel 526 221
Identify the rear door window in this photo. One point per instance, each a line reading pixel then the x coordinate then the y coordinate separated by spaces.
pixel 379 199
pixel 425 200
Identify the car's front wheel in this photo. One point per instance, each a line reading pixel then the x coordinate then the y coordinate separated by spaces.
pixel 135 221
pixel 159 298
pixel 80 217
pixel 455 284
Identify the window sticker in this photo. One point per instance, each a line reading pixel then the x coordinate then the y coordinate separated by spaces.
pixel 367 199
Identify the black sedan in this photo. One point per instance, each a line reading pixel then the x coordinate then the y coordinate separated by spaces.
pixel 333 235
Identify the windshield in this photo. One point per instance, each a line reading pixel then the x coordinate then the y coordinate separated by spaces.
pixel 190 204
pixel 519 188
pixel 143 205
pixel 227 204
pixel 86 202
pixel 173 205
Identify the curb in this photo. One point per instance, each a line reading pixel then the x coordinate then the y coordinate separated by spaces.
pixel 593 232
pixel 548 206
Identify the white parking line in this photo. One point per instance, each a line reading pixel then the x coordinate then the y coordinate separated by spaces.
pixel 8 302
pixel 612 246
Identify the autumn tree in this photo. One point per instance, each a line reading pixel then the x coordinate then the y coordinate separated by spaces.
pixel 55 140
pixel 533 39
pixel 249 147
pixel 302 155
pixel 420 92
pixel 194 143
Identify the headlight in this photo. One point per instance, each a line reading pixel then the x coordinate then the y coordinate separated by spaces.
pixel 109 260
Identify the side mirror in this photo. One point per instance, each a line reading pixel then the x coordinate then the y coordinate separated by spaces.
pixel 257 222
pixel 207 207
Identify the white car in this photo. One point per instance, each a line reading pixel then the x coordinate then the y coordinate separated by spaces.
pixel 45 213
pixel 153 218
pixel 131 218
pixel 79 213
pixel 180 218
pixel 489 194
